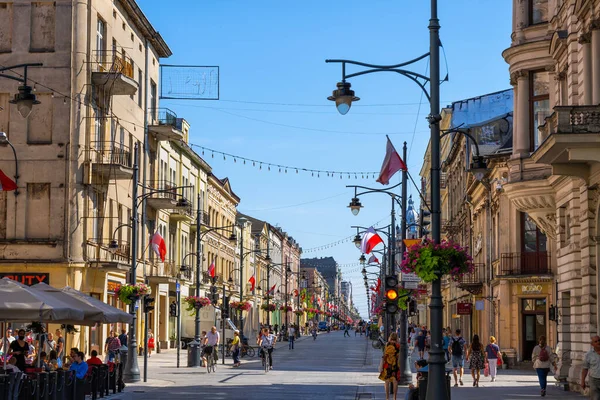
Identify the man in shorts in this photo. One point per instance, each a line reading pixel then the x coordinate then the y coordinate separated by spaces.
pixel 458 349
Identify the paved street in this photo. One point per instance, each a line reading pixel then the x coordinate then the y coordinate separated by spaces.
pixel 332 367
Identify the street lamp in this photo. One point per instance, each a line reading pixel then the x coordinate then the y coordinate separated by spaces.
pixel 355 207
pixel 357 240
pixel 343 97
pixel 25 99
pixel 362 260
pixel 5 142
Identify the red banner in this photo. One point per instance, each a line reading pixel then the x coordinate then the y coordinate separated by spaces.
pixel 464 308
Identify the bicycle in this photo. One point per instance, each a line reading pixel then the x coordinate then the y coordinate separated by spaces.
pixel 247 351
pixel 211 363
pixel 264 354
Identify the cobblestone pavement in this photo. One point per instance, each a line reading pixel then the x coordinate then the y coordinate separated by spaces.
pixel 331 367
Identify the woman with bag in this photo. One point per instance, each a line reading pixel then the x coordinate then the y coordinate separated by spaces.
pixel 493 357
pixel 543 358
pixel 150 342
pixel 388 367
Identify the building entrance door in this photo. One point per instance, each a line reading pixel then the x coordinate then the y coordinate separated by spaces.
pixel 533 325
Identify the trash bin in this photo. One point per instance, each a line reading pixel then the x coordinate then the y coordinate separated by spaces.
pixel 194 354
pixel 423 385
pixel 121 355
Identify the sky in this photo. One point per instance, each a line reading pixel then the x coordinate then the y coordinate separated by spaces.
pixel 273 105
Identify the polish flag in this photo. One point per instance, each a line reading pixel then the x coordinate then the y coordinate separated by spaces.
pixel 272 289
pixel 211 269
pixel 295 292
pixel 319 301
pixel 373 259
pixel 252 280
pixel 159 246
pixel 369 240
pixel 392 163
pixel 6 184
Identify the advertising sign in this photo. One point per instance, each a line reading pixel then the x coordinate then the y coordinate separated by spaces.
pixel 464 308
pixel 27 278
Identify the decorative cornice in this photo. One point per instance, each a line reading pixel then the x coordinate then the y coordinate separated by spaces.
pixel 585 38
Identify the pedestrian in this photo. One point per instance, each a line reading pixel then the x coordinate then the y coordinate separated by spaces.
pixel 420 344
pixel 291 337
pixel 235 349
pixel 492 355
pixel 123 337
pixel 60 347
pixel 476 359
pixel 150 342
pixel 111 345
pixel 543 358
pixel 458 349
pixel 19 349
pixel 591 367
pixel 446 339
pixel 49 344
pixel 7 340
pixel 388 367
pixel 346 333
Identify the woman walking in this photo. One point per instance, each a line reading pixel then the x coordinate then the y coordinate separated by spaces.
pixel 388 368
pixel 150 342
pixel 235 348
pixel 543 358
pixel 492 355
pixel 475 357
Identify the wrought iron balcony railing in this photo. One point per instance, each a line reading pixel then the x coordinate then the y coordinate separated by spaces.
pixel 528 263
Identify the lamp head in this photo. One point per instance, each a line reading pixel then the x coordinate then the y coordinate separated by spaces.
pixel 230 280
pixel 183 268
pixel 357 239
pixel 362 259
pixel 182 203
pixel 113 246
pixel 478 168
pixel 268 258
pixel 259 288
pixel 233 237
pixel 355 207
pixel 25 100
pixel 3 139
pixel 343 97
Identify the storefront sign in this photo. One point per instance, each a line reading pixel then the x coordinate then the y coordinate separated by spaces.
pixel 464 308
pixel 27 278
pixel 531 289
pixel 111 286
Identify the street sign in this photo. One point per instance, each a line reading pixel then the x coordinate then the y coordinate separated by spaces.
pixel 177 287
pixel 464 308
pixel 412 277
pixel 421 307
pixel 410 285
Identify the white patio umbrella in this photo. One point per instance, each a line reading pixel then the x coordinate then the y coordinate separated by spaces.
pixel 91 314
pixel 110 314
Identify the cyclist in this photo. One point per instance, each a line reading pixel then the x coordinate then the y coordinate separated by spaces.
pixel 212 342
pixel 266 343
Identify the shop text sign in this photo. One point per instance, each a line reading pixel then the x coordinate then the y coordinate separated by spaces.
pixel 464 308
pixel 27 278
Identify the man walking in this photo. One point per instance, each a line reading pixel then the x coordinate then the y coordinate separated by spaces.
pixel 420 344
pixel 458 349
pixel 123 337
pixel 591 367
pixel 346 327
pixel 291 336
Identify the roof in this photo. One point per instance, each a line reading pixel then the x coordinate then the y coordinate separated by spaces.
pixel 146 28
pixel 224 183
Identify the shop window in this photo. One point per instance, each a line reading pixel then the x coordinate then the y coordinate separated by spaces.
pixel 539 104
pixel 538 11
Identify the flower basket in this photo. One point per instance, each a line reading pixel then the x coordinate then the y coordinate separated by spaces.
pixel 268 307
pixel 299 312
pixel 195 303
pixel 430 261
pixel 240 305
pixel 128 293
pixel 285 308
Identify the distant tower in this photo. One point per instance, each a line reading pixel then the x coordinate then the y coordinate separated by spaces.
pixel 412 220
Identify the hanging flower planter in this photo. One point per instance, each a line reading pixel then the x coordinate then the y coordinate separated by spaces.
pixel 195 303
pixel 128 293
pixel 299 312
pixel 240 305
pixel 286 308
pixel 268 307
pixel 431 261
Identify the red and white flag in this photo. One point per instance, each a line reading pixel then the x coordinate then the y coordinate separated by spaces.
pixel 373 259
pixel 159 246
pixel 319 301
pixel 369 240
pixel 252 280
pixel 392 163
pixel 272 289
pixel 6 184
pixel 211 269
pixel 378 287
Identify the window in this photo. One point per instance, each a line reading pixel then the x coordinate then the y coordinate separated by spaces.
pixel 539 104
pixel 140 87
pixel 538 11
pixel 100 37
pixel 533 240
pixel 153 110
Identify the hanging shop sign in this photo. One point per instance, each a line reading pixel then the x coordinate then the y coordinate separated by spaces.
pixel 464 308
pixel 111 286
pixel 27 278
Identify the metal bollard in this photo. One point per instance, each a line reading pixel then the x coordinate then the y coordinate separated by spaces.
pixel 52 381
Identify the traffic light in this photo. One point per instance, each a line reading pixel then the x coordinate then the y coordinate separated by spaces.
pixel 225 307
pixel 412 307
pixel 553 313
pixel 173 309
pixel 424 221
pixel 214 296
pixel 391 294
pixel 148 304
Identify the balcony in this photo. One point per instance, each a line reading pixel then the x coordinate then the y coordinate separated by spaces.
pixel 473 282
pixel 98 256
pixel 205 220
pixel 207 279
pixel 163 272
pixel 571 140
pixel 110 160
pixel 113 72
pixel 519 264
pixel 164 125
pixel 167 195
pixel 182 215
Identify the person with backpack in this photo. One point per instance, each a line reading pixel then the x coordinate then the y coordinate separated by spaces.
pixel 458 349
pixel 543 358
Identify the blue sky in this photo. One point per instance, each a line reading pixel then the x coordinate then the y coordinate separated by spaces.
pixel 273 88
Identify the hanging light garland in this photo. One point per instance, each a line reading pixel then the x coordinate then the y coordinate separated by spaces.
pixel 316 173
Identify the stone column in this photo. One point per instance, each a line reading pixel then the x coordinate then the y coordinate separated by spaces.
pixel 595 63
pixel 520 16
pixel 521 139
pixel 586 49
